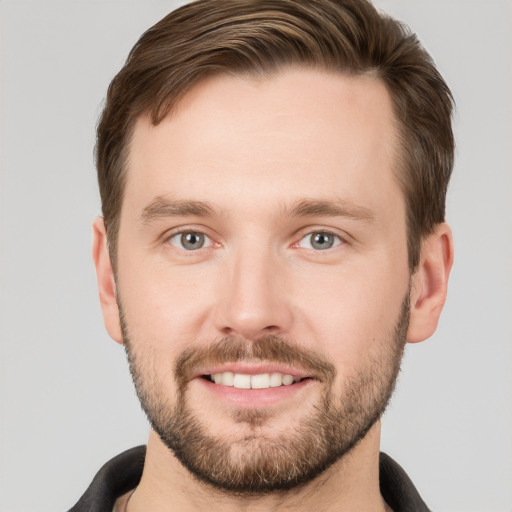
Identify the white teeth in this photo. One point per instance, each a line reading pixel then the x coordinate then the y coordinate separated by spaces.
pixel 276 380
pixel 242 381
pixel 287 380
pixel 260 381
pixel 227 378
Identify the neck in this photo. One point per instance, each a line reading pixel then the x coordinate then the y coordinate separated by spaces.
pixel 352 484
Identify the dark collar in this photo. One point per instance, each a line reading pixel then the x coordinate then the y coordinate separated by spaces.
pixel 397 488
pixel 123 473
pixel 115 478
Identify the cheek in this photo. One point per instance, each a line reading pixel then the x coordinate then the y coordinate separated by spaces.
pixel 351 313
pixel 163 305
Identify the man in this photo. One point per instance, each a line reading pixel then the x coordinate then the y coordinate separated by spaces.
pixel 273 178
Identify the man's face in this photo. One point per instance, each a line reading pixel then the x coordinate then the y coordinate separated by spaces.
pixel 263 241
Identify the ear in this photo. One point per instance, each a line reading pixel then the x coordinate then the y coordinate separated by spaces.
pixel 106 281
pixel 430 283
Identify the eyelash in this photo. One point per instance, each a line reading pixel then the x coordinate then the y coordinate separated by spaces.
pixel 183 232
pixel 337 240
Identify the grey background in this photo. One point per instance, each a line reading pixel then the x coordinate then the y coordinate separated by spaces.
pixel 66 400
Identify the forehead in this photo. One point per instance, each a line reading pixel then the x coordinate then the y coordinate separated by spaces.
pixel 296 133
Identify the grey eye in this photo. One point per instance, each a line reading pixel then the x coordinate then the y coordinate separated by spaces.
pixel 190 240
pixel 320 241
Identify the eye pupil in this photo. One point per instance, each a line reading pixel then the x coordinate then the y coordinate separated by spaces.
pixel 192 240
pixel 322 241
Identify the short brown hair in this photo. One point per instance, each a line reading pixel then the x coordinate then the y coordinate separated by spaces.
pixel 259 37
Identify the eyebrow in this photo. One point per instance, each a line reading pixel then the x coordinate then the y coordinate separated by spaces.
pixel 330 208
pixel 162 207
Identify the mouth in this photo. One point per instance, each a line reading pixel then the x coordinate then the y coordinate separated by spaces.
pixel 254 385
pixel 255 388
pixel 253 381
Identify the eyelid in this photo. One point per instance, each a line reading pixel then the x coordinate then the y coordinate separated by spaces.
pixel 311 230
pixel 343 237
pixel 168 235
pixel 208 240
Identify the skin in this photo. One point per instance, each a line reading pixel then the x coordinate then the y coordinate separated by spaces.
pixel 253 149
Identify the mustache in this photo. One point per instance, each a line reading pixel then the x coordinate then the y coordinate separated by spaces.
pixel 271 348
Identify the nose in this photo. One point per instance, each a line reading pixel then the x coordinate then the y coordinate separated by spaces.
pixel 253 298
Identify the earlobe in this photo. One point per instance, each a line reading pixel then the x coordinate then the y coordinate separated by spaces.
pixel 106 281
pixel 430 284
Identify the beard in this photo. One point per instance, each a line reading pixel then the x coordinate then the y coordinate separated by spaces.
pixel 257 464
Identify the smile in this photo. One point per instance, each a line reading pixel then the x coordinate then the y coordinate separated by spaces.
pixel 258 381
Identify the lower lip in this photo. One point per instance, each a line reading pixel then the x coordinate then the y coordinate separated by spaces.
pixel 254 398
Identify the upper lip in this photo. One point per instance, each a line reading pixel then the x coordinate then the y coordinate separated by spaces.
pixel 253 369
